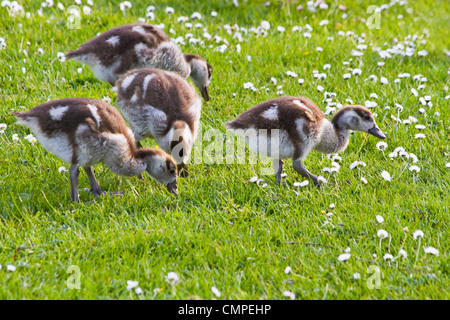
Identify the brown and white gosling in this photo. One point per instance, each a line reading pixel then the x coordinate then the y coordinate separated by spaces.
pixel 140 45
pixel 162 105
pixel 85 132
pixel 302 127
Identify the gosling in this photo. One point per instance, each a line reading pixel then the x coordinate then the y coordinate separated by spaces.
pixel 162 105
pixel 140 45
pixel 85 132
pixel 302 127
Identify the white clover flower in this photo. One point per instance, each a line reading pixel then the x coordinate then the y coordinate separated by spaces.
pixel 289 294
pixel 3 127
pixel 346 75
pixel 327 66
pixel 386 176
pixel 381 145
pixel 281 29
pixel 414 92
pixel 447 165
pixel 388 256
pixel 380 219
pixel 374 96
pixel 382 234
pixel 347 250
pixel 364 180
pixel 138 290
pixel 10 267
pixel 319 88
pixel 420 126
pixel 344 257
pixel 170 10
pixel 323 22
pixel 356 276
pixel 172 278
pixel 403 253
pixel 301 81
pixel 214 14
pixel 384 80
pixel 431 250
pixel 418 234
pixel 15 137
pixel 414 169
pixel 287 270
pixel 150 8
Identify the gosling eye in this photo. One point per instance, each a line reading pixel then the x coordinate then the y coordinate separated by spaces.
pixel 172 171
pixel 354 120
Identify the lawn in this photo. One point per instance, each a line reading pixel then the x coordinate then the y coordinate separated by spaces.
pixel 224 236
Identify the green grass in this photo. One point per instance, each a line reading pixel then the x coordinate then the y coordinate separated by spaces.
pixel 222 230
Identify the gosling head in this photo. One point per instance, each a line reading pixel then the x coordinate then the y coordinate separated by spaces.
pixel 161 167
pixel 357 118
pixel 201 73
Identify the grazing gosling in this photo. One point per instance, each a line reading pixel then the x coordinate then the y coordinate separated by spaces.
pixel 140 45
pixel 85 132
pixel 302 127
pixel 162 105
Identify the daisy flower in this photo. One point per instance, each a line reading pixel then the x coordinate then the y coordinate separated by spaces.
pixel 431 250
pixel 344 257
pixel 418 234
pixel 215 291
pixel 172 278
pixel 289 294
pixel 386 176
pixel 382 234
pixel 388 256
pixel 381 145
pixel 131 284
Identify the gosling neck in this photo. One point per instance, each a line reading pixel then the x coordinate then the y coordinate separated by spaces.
pixel 334 139
pixel 126 165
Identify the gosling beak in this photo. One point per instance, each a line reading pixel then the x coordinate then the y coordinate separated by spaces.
pixel 375 131
pixel 172 187
pixel 205 93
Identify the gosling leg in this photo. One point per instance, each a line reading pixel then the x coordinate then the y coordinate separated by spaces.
pixel 95 187
pixel 278 166
pixel 298 166
pixel 74 173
